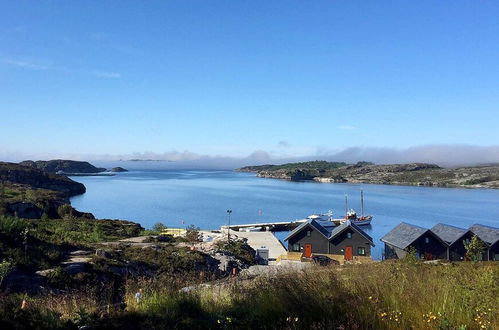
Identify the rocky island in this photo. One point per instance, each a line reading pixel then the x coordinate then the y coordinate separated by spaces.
pixel 65 166
pixel 119 169
pixel 419 174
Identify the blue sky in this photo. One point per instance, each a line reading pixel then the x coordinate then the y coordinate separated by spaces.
pixel 283 78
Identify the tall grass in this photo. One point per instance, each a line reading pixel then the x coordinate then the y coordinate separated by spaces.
pixel 387 295
pixel 381 296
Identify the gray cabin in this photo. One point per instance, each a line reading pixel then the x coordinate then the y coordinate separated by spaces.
pixel 324 237
pixel 455 238
pixel 490 236
pixel 427 244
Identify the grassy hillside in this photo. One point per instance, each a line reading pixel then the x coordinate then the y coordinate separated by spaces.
pixel 388 295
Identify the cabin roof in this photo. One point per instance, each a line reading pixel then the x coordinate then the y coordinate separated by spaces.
pixel 403 235
pixel 340 228
pixel 328 229
pixel 448 233
pixel 490 235
pixel 310 222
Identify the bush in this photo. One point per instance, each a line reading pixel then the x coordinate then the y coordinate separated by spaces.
pixel 192 234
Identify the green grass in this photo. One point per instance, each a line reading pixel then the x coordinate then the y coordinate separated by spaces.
pixel 387 295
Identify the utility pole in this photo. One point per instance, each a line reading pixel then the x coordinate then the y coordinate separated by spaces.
pixel 228 228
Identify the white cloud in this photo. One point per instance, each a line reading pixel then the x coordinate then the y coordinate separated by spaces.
pixel 347 127
pixel 103 74
pixel 46 65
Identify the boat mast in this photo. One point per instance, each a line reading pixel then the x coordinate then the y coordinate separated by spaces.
pixel 346 206
pixel 361 202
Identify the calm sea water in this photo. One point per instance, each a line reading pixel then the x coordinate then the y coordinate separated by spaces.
pixel 180 198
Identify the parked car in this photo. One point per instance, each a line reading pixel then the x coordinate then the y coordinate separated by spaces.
pixel 324 260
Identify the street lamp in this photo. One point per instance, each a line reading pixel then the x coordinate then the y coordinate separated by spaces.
pixel 228 230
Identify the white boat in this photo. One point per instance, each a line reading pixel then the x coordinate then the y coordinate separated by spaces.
pixel 250 229
pixel 325 216
pixel 352 215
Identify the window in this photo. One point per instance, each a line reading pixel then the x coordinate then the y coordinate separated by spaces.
pixel 309 233
pixel 296 247
pixel 361 251
pixel 349 235
pixel 427 240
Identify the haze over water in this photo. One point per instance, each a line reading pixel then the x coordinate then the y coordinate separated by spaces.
pixel 182 197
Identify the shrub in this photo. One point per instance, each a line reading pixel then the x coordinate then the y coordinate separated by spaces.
pixel 65 211
pixel 474 248
pixel 5 268
pixel 192 234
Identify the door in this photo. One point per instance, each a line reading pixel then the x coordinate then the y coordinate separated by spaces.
pixel 348 253
pixel 308 251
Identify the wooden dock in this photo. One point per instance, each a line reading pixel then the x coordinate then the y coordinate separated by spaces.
pixel 268 226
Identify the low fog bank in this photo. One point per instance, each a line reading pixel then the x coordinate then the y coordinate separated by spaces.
pixel 443 155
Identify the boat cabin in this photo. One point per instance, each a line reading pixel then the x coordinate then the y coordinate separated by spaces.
pixel 324 237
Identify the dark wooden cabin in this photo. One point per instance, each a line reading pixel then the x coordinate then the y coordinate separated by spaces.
pixel 323 237
pixel 490 236
pixel 455 238
pixel 428 245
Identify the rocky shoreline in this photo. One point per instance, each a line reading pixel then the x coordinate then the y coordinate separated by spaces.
pixel 415 174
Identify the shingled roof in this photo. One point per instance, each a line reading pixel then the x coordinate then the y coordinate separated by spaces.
pixel 403 235
pixel 448 233
pixel 324 230
pixel 328 229
pixel 490 235
pixel 340 228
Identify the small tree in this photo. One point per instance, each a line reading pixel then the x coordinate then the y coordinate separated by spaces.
pixel 192 234
pixel 65 211
pixel 5 268
pixel 159 227
pixel 411 256
pixel 474 248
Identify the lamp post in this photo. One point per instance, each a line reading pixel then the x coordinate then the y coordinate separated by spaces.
pixel 228 229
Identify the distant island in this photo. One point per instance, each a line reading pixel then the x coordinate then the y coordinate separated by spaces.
pixel 65 166
pixel 118 169
pixel 419 174
pixel 149 160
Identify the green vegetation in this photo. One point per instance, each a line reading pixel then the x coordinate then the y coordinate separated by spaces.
pixel 365 172
pixel 238 248
pixel 474 248
pixel 38 244
pixel 67 166
pixel 387 295
pixel 5 268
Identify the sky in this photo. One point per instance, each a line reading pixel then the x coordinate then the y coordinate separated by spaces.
pixel 258 81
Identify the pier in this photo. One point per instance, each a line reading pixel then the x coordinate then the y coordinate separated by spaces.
pixel 274 226
pixel 267 226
